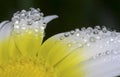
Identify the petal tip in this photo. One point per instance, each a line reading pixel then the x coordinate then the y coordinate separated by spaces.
pixel 47 19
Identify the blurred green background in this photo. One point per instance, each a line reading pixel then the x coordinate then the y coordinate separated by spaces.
pixel 72 13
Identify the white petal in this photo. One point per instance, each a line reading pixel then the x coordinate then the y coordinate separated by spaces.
pixel 47 19
pixel 3 23
pixel 5 30
pixel 86 51
pixel 108 66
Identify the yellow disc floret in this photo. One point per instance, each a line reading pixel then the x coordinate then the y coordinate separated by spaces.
pixel 27 68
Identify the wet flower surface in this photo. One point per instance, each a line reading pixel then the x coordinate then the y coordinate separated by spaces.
pixel 85 52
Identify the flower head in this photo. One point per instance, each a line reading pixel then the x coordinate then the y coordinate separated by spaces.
pixel 86 52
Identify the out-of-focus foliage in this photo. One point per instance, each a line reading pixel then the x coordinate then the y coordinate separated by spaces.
pixel 72 13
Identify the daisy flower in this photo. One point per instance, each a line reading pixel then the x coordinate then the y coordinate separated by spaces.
pixel 85 52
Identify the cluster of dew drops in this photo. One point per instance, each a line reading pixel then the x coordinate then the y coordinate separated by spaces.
pixel 23 20
pixel 90 36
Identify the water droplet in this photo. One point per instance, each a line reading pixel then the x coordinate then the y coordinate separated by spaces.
pixel 89 30
pixel 104 36
pixel 41 14
pixel 72 32
pixel 97 27
pixel 23 11
pixel 80 45
pixel 36 30
pixel 104 30
pixel 83 29
pixel 67 34
pixel 23 28
pixel 96 31
pixel 111 39
pixel 38 9
pixel 113 34
pixel 92 39
pixel 42 28
pixel 16 27
pixel 29 22
pixel 88 44
pixel 69 44
pixel 107 52
pixel 98 37
pixel 77 34
pixel 62 37
pixel 85 40
pixel 100 54
pixel 77 30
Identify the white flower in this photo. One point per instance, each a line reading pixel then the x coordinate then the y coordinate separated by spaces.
pixel 86 52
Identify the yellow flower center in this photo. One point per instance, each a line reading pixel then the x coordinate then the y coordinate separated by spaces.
pixel 27 68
